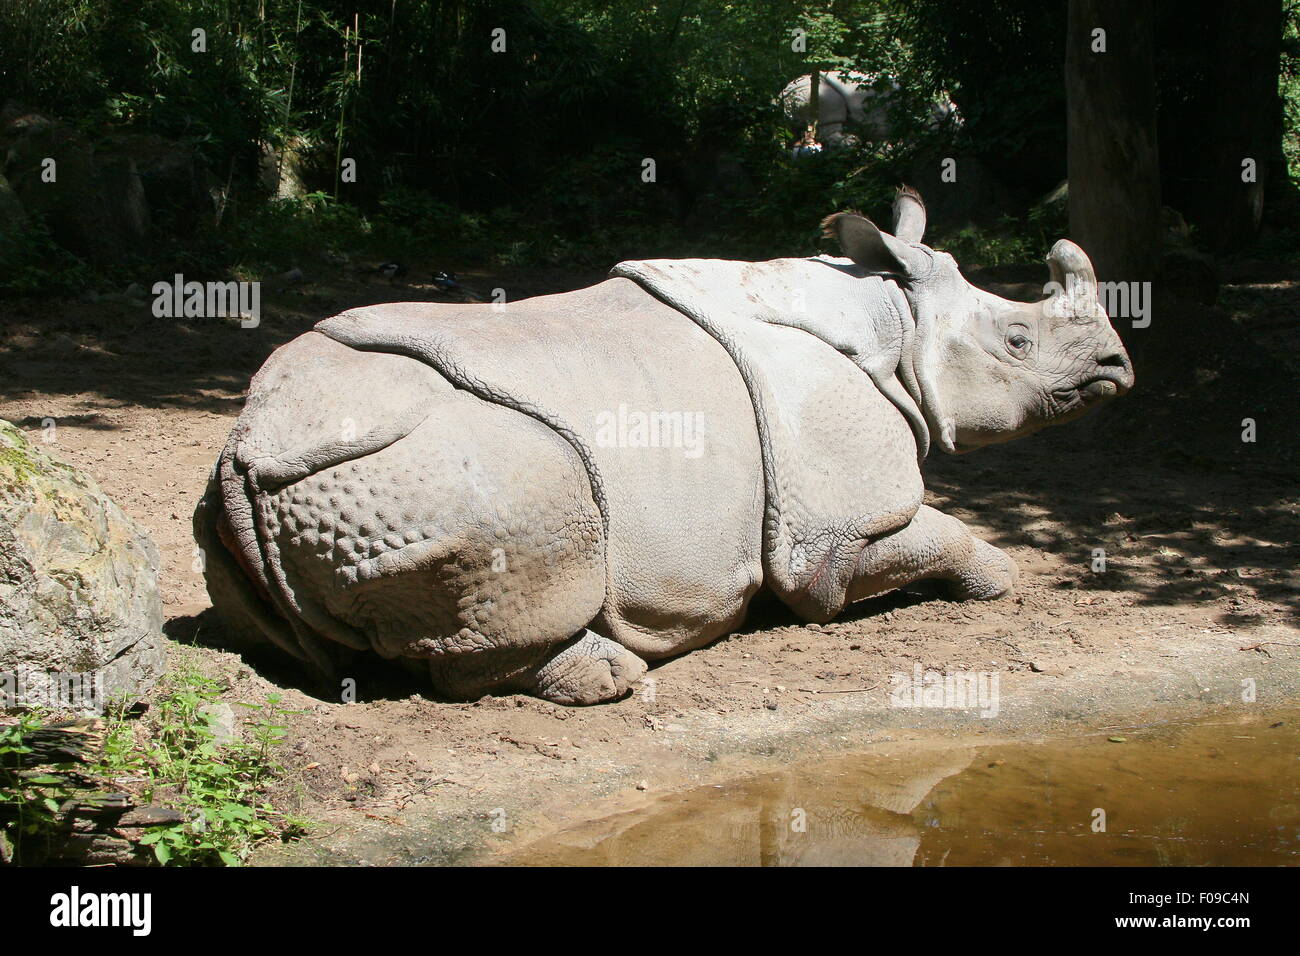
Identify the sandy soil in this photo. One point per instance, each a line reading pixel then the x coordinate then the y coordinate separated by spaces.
pixel 1199 592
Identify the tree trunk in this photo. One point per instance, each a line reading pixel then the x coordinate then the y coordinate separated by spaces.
pixel 814 107
pixel 1246 123
pixel 1111 122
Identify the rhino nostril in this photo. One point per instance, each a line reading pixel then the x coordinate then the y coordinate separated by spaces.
pixel 1113 360
pixel 1118 359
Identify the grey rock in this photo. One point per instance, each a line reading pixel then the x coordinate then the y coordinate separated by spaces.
pixel 95 206
pixel 78 578
pixel 176 183
pixel 281 171
pixel 12 214
pixel 221 721
pixel 151 816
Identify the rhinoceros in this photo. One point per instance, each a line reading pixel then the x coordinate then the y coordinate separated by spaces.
pixel 542 496
pixel 851 103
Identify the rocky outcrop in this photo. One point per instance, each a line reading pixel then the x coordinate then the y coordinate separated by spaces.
pixel 92 823
pixel 102 199
pixel 93 206
pixel 178 188
pixel 281 171
pixel 80 612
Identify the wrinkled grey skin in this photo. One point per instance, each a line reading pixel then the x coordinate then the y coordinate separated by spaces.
pixel 431 483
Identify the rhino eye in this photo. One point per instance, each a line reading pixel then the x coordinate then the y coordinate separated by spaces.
pixel 1018 342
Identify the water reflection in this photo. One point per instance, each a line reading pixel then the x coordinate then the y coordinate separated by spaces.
pixel 1215 793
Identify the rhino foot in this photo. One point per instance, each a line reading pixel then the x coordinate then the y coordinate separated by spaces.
pixel 934 547
pixel 589 670
pixel 989 573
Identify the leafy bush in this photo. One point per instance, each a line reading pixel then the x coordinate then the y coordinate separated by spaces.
pixel 1289 89
pixel 29 801
pixel 31 262
pixel 221 788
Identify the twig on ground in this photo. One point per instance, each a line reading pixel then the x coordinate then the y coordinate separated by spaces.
pixel 1262 644
pixel 839 690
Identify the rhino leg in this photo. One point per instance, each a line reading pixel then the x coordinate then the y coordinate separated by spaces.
pixel 934 546
pixel 587 670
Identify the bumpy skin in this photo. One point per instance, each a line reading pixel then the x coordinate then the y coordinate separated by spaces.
pixel 440 485
pixel 476 540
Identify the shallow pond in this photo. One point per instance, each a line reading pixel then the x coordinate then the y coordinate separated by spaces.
pixel 1218 792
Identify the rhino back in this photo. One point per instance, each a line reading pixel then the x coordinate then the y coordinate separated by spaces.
pixel 664 419
pixel 604 390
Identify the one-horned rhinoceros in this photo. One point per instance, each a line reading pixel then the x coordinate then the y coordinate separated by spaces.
pixel 544 495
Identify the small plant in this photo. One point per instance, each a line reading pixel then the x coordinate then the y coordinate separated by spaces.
pixel 219 786
pixel 29 800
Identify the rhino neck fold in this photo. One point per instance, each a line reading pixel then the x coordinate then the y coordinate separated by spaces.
pixel 867 318
pixel 919 366
pixel 902 387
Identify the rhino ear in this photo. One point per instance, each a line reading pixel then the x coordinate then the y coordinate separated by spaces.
pixel 875 251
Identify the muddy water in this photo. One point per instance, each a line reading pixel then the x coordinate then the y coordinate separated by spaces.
pixel 1218 792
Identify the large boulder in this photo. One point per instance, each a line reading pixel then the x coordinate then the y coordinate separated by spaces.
pixel 78 583
pixel 281 171
pixel 96 204
pixel 178 186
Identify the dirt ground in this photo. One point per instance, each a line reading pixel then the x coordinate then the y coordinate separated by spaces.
pixel 1201 556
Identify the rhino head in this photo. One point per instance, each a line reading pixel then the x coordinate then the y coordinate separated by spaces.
pixel 986 369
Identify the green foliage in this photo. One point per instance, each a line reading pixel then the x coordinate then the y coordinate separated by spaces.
pixel 221 788
pixel 29 800
pixel 1002 63
pixel 1002 244
pixel 436 120
pixel 275 234
pixel 32 262
pixel 793 197
pixel 1289 88
pixel 49 52
pixel 534 156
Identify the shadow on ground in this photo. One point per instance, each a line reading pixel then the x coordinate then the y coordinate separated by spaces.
pixel 123 354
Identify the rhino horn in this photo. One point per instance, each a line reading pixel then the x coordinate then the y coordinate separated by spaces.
pixel 1074 288
pixel 909 214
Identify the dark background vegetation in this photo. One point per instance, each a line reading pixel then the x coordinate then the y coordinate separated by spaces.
pixel 225 163
pixel 533 156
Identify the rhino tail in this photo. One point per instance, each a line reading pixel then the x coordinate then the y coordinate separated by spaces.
pixel 239 594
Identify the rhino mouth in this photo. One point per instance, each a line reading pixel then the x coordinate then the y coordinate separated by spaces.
pixel 1090 390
